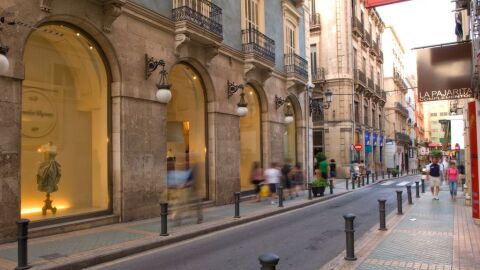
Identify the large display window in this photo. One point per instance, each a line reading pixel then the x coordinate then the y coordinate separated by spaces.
pixel 64 134
pixel 186 133
pixel 250 137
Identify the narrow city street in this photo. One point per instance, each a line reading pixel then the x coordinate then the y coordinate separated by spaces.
pixel 304 239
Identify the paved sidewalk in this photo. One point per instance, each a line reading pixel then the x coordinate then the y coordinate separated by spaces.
pixel 430 235
pixel 76 250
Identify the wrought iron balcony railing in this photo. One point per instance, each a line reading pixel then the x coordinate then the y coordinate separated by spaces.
pixel 402 137
pixel 258 43
pixel 357 26
pixel 380 56
pixel 200 12
pixel 367 39
pixel 384 95
pixel 318 75
pixel 294 64
pixel 377 89
pixel 362 77
pixel 399 107
pixel 370 84
pixel 315 23
pixel 374 48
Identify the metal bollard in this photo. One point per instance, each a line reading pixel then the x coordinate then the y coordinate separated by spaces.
pixel 350 240
pixel 163 219
pixel 409 194
pixel 280 196
pixel 331 186
pixel 268 261
pixel 353 182
pixel 363 181
pixel 417 189
pixel 381 211
pixel 237 205
pixel 399 202
pixel 22 238
pixel 388 173
pixel 346 183
pixel 368 178
pixel 383 174
pixel 423 185
pixel 309 191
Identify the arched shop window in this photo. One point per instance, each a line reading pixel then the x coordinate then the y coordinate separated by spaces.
pixel 65 128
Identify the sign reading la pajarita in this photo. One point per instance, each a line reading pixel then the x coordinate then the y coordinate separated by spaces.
pixel 376 3
pixel 444 72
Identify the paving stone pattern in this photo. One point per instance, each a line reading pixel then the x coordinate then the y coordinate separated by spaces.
pixel 423 243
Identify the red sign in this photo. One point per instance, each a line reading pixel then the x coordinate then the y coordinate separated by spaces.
pixel 457 147
pixel 358 147
pixel 472 121
pixel 377 3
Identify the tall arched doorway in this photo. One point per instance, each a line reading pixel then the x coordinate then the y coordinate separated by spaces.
pixel 186 127
pixel 65 128
pixel 290 134
pixel 250 137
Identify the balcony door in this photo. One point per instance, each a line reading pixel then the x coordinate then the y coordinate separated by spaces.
pixel 251 14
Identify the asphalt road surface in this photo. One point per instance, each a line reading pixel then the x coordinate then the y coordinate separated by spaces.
pixel 305 239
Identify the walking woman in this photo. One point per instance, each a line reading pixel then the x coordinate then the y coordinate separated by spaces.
pixel 257 178
pixel 452 175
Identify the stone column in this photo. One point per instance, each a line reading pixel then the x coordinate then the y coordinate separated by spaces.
pixel 224 156
pixel 143 157
pixel 10 115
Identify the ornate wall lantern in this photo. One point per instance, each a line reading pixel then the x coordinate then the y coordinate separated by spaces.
pixel 318 106
pixel 163 94
pixel 279 102
pixel 242 109
pixel 4 64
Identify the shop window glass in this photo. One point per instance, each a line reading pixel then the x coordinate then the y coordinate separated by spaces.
pixel 65 133
pixel 290 137
pixel 186 132
pixel 250 137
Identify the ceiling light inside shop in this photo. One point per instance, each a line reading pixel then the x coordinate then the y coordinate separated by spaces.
pixel 78 34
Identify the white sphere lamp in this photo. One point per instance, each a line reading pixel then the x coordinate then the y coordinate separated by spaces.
pixel 163 95
pixel 242 111
pixel 4 64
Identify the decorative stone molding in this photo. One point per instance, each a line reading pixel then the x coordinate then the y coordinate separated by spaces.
pixel 181 40
pixel 210 53
pixel 46 5
pixel 255 72
pixel 111 11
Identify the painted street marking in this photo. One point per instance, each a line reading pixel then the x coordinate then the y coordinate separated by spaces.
pixel 389 182
pixel 404 183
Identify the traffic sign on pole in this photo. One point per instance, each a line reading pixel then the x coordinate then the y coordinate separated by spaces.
pixel 358 147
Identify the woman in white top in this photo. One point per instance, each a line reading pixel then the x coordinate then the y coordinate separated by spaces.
pixel 272 177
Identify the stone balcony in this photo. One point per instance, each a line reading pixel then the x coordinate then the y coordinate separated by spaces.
pixel 198 29
pixel 374 48
pixel 367 39
pixel 259 52
pixel 380 56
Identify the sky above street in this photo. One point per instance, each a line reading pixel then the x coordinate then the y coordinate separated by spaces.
pixel 420 23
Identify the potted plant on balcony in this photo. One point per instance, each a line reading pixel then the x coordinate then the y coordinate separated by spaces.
pixel 319 184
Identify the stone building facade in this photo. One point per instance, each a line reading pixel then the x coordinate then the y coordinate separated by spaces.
pixel 82 124
pixel 347 59
pixel 397 115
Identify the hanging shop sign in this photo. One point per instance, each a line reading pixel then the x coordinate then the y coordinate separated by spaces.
pixel 444 72
pixel 377 3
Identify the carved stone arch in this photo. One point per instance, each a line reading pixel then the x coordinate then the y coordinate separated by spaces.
pixel 297 108
pixel 261 94
pixel 204 75
pixel 106 48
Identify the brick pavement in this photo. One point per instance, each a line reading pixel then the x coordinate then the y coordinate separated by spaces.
pixel 430 235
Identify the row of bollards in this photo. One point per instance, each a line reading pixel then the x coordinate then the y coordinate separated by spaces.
pixel 349 218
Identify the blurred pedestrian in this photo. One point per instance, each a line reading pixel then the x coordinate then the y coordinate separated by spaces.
pixel 452 176
pixel 286 180
pixel 257 178
pixel 322 165
pixel 356 172
pixel 297 177
pixel 272 177
pixel 461 175
pixel 333 170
